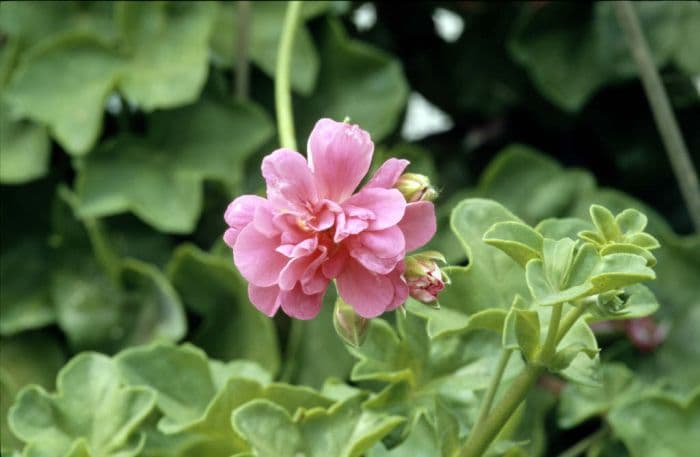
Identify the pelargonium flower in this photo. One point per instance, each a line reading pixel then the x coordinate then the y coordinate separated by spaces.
pixel 313 228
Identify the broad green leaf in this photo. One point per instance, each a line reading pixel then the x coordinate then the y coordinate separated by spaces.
pixel 167 51
pixel 615 271
pixel 544 293
pixel 421 371
pixel 579 403
pixel 28 358
pixel 425 440
pixel 357 81
pixel 103 301
pixel 160 178
pixel 75 66
pixel 24 149
pixel 344 430
pixel 657 425
pixel 490 280
pixel 571 51
pixel 558 228
pixel 231 326
pixel 266 21
pixel 581 359
pixel 605 222
pixel 517 240
pixel 90 405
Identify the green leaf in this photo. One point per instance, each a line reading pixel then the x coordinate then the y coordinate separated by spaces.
pixel 75 66
pixel 509 338
pixel 580 356
pixel 619 270
pixel 356 81
pixel 103 301
pixel 605 222
pixel 425 440
pixel 527 332
pixel 657 425
pixel 160 178
pixel 516 239
pixel 490 280
pixel 630 221
pixel 580 403
pixel 345 430
pixel 211 287
pixel 167 58
pixel 544 293
pixel 90 404
pixel 27 358
pixel 24 150
pixel 265 32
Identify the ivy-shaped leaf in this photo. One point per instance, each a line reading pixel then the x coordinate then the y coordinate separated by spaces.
pixel 357 81
pixel 103 301
pixel 516 239
pixel 344 430
pixel 24 149
pixel 421 370
pixel 159 178
pixel 91 413
pixel 211 287
pixel 489 281
pixel 658 425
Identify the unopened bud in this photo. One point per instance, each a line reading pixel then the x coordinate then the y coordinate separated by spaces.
pixel 350 326
pixel 415 187
pixel 424 278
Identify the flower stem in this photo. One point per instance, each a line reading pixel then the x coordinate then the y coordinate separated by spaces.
pixel 480 439
pixel 283 96
pixel 661 109
pixel 242 67
pixel 571 318
pixel 493 388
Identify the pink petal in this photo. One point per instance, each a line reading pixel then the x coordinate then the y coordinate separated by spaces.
pixel 264 298
pixel 313 281
pixel 335 263
pixel 387 205
pixel 290 183
pixel 368 293
pixel 239 213
pixel 339 155
pixel 295 303
pixel 256 258
pixel 418 224
pixel 379 251
pixel 387 175
pixel 400 287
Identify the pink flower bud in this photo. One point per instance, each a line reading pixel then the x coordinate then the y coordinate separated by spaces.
pixel 415 187
pixel 424 278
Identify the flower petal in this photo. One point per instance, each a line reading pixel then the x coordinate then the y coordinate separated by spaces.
pixel 379 251
pixel 295 303
pixel 256 258
pixel 368 293
pixel 339 155
pixel 387 175
pixel 400 287
pixel 388 206
pixel 264 298
pixel 239 213
pixel 290 183
pixel 418 224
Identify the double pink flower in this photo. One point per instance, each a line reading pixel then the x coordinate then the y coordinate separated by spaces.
pixel 312 228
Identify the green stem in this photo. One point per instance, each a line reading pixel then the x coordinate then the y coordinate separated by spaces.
pixel 242 67
pixel 492 389
pixel 296 332
pixel 480 439
pixel 661 109
pixel 283 96
pixel 571 318
pixel 581 447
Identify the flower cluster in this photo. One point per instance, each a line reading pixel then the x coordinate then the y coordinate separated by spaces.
pixel 313 228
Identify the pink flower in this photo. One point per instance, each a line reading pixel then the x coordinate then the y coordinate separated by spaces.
pixel 312 227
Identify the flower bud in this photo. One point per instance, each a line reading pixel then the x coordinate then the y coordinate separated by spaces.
pixel 350 326
pixel 424 278
pixel 415 187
